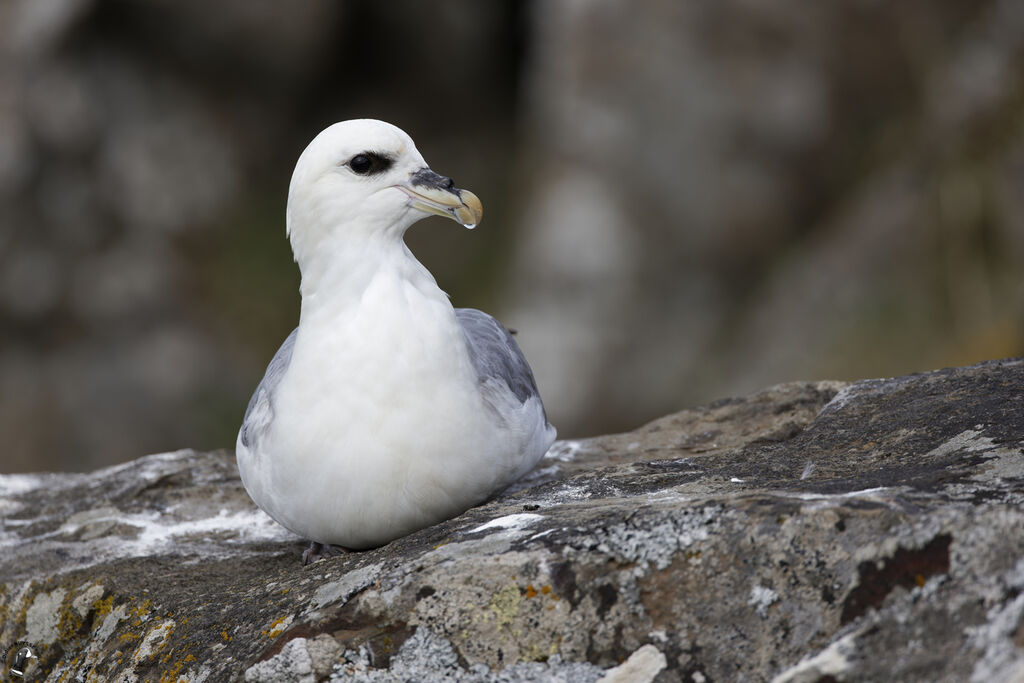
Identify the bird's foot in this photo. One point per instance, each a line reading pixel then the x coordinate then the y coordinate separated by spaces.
pixel 321 551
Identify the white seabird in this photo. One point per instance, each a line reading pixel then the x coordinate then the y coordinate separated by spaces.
pixel 386 410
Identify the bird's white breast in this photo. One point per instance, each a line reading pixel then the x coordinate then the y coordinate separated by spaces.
pixel 378 426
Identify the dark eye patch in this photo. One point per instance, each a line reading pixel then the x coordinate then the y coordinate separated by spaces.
pixel 370 163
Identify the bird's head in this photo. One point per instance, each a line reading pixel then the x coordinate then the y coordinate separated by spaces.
pixel 365 179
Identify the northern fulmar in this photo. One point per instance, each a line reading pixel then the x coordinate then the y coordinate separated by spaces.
pixel 386 410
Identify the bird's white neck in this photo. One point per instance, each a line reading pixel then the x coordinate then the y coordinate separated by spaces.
pixel 337 275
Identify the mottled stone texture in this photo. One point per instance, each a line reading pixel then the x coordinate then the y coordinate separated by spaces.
pixel 809 532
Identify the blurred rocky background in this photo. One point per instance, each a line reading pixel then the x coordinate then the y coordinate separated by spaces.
pixel 683 200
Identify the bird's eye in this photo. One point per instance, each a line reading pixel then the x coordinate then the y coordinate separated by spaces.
pixel 361 164
pixel 370 163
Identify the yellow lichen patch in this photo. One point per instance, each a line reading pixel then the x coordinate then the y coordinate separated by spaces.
pixel 171 675
pixel 504 604
pixel 141 612
pixel 225 636
pixel 443 543
pixel 278 626
pixel 531 592
pixel 26 602
pixel 70 623
pixel 102 607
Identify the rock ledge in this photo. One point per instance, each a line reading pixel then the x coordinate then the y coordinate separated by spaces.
pixel 810 532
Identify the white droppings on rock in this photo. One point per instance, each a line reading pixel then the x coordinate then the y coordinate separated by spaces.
pixel 92 536
pixel 17 484
pixel 249 525
pixel 564 451
pixel 567 493
pixel 761 598
pixel 545 472
pixel 667 496
pixel 808 470
pixel 516 522
pixel 155 535
pixel 837 498
pixel 43 617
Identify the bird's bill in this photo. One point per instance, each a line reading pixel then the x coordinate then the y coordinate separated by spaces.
pixel 433 193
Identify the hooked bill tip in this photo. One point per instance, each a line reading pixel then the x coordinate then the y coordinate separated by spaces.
pixel 471 211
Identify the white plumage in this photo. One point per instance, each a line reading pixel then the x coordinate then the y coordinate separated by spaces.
pixel 386 410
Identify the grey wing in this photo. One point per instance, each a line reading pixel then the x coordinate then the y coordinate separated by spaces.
pixel 260 411
pixel 495 354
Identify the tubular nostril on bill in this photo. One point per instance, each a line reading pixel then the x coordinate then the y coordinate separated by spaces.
pixel 429 178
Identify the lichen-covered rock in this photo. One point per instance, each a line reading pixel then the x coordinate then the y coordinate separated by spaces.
pixel 816 531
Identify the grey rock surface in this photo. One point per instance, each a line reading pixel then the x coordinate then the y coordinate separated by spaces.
pixel 809 532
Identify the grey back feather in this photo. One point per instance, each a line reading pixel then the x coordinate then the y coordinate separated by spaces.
pixel 495 354
pixel 265 390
